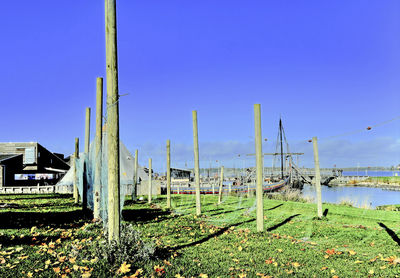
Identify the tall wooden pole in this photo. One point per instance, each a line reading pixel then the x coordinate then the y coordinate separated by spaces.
pixel 76 178
pixel 317 177
pixel 168 173
pixel 87 131
pixel 98 151
pixel 196 162
pixel 259 165
pixel 221 185
pixel 150 179
pixel 135 176
pixel 87 145
pixel 112 122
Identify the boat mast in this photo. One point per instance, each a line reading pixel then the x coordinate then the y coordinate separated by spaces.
pixel 280 139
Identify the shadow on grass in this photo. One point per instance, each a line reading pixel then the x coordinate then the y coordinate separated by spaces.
pixel 145 215
pixel 226 211
pixel 210 236
pixel 36 197
pixel 282 223
pixel 211 210
pixel 18 220
pixel 275 207
pixel 390 232
pixel 26 240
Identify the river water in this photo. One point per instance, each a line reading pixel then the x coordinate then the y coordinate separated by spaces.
pixel 359 196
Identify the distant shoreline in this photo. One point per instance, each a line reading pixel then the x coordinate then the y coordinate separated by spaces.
pixel 388 183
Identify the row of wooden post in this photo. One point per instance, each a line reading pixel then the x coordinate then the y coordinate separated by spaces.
pixel 113 166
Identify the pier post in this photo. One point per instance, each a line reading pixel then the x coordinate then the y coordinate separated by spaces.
pixel 76 178
pixel 150 180
pixel 87 146
pixel 168 173
pixel 317 177
pixel 259 167
pixel 221 183
pixel 112 122
pixel 98 148
pixel 135 176
pixel 196 162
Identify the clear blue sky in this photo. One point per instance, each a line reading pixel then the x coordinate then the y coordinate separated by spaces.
pixel 327 67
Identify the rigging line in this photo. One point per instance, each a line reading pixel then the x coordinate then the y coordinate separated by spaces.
pixel 359 130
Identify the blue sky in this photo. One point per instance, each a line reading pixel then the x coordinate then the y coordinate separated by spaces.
pixel 326 67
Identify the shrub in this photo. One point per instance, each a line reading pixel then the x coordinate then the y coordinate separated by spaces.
pixel 346 201
pixel 131 248
pixel 290 194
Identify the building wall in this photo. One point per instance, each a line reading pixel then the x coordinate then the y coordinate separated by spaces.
pixel 48 159
pixel 18 148
pixel 9 168
pixel 1 176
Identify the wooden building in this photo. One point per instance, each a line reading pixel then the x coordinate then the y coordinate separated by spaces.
pixel 29 164
pixel 180 175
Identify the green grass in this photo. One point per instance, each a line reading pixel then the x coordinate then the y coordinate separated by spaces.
pixel 393 179
pixel 223 242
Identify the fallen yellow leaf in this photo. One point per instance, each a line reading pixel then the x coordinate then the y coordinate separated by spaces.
pixel 124 268
pixel 352 252
pixel 296 264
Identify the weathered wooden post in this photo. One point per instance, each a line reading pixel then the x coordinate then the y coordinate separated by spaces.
pixel 98 152
pixel 87 146
pixel 259 170
pixel 112 122
pixel 317 177
pixel 150 179
pixel 221 183
pixel 168 173
pixel 87 131
pixel 196 162
pixel 135 176
pixel 76 178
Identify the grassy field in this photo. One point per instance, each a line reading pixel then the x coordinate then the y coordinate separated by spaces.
pixel 47 236
pixel 388 180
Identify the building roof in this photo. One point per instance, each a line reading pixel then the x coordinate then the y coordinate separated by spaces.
pixel 180 169
pixel 5 156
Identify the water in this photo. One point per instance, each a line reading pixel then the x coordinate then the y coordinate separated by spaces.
pixel 359 196
pixel 371 173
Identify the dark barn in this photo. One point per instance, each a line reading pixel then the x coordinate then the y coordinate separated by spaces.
pixel 29 164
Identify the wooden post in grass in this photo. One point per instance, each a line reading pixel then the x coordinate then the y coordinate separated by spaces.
pixel 112 122
pixel 87 145
pixel 76 178
pixel 221 183
pixel 150 178
pixel 98 152
pixel 317 178
pixel 168 173
pixel 196 162
pixel 259 165
pixel 135 176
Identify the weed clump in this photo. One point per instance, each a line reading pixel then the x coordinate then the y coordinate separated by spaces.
pixel 131 248
pixel 289 194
